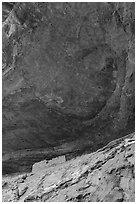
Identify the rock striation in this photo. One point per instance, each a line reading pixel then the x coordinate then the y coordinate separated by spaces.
pixel 107 175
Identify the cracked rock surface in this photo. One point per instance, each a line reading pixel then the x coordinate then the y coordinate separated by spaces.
pixel 107 175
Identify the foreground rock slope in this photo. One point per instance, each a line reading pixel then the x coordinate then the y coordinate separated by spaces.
pixel 103 176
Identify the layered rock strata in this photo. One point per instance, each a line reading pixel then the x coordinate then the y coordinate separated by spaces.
pixel 107 175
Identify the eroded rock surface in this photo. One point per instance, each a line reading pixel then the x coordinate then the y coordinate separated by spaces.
pixel 107 175
pixel 68 78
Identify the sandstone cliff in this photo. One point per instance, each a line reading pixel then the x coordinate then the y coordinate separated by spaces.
pixel 68 79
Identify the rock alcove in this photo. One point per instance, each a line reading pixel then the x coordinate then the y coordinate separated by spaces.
pixel 68 79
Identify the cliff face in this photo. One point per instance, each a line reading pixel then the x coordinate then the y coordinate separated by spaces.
pixel 103 176
pixel 68 77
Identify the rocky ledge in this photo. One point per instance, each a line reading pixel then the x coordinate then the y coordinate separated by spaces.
pixel 107 175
